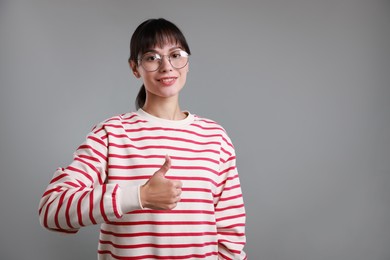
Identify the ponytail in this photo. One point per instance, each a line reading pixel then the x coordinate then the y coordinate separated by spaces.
pixel 141 98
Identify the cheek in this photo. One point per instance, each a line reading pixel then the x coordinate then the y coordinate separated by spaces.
pixel 183 75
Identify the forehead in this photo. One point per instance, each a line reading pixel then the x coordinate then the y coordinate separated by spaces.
pixel 160 42
pixel 164 48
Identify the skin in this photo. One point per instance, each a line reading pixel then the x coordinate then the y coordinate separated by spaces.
pixel 162 100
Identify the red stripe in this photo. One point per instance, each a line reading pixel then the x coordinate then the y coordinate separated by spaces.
pixel 59 177
pixel 132 115
pixel 92 167
pixel 196 256
pixel 159 223
pixel 74 185
pixel 60 203
pixel 157 166
pixel 147 177
pixel 82 184
pixel 232 168
pixel 231 242
pixel 227 142
pixel 79 210
pixel 197 201
pixel 56 189
pixel 150 245
pixel 228 179
pixel 144 129
pixel 237 186
pixel 71 168
pixel 129 156
pixel 231 197
pixel 235 234
pixel 139 166
pixel 224 256
pixel 114 205
pixel 208 128
pixel 232 158
pixel 234 226
pixel 231 217
pixel 226 152
pixel 157 234
pixel 91 208
pixel 97 130
pixel 128 178
pixel 88 157
pixel 88 147
pixel 206 121
pixel 230 207
pixel 99 141
pixel 173 211
pixel 45 219
pixel 196 189
pixel 104 187
pixel 114 119
pixel 162 147
pixel 68 206
pixel 162 137
pixel 134 122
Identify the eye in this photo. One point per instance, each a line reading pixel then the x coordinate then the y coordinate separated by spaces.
pixel 151 57
pixel 178 54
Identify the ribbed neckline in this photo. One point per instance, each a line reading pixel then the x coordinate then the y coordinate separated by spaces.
pixel 166 122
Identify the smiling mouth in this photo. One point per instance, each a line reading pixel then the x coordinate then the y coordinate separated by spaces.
pixel 167 80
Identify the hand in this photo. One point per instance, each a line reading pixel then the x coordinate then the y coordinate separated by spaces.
pixel 159 192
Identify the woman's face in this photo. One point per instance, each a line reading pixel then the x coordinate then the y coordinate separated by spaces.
pixel 166 81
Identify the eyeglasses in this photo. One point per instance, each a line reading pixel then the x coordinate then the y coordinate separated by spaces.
pixel 152 61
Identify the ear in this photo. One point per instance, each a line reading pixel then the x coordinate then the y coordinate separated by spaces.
pixel 134 69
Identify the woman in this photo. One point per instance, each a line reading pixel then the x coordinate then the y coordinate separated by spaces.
pixel 162 182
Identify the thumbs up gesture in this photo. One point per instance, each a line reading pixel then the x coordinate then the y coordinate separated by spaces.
pixel 159 192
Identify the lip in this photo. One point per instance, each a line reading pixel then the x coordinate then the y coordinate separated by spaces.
pixel 167 81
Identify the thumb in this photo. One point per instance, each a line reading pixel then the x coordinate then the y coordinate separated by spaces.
pixel 166 166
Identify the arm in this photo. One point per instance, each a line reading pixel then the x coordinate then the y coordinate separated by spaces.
pixel 78 195
pixel 229 207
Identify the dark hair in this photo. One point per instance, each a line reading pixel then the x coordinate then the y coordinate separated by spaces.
pixel 151 33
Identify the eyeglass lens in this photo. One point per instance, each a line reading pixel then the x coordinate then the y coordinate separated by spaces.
pixel 152 61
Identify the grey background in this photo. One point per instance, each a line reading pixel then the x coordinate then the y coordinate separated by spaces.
pixel 301 86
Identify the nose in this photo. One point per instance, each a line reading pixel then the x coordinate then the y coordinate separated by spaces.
pixel 165 63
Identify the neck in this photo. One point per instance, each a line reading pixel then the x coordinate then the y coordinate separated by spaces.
pixel 164 108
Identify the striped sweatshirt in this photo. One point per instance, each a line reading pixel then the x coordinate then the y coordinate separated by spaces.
pixel 122 153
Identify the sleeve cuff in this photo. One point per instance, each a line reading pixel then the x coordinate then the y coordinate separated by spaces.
pixel 129 198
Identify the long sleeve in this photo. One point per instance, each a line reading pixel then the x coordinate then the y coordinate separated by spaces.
pixel 229 207
pixel 78 195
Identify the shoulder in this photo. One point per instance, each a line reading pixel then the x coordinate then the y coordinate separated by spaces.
pixel 212 125
pixel 118 120
pixel 207 124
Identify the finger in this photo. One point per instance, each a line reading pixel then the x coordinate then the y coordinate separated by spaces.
pixel 166 166
pixel 177 184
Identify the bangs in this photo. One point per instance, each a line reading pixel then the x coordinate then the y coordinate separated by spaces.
pixel 158 39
